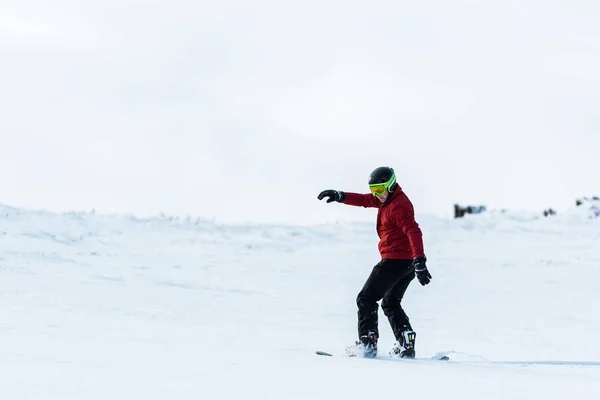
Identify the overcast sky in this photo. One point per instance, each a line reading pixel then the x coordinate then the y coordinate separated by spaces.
pixel 246 110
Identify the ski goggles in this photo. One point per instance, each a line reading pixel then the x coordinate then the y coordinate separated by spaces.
pixel 378 189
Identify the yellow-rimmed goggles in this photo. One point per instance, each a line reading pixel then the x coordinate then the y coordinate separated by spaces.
pixel 378 189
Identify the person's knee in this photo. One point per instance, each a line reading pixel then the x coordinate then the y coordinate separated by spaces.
pixel 365 302
pixel 387 306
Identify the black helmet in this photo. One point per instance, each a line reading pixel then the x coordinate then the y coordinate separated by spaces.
pixel 383 175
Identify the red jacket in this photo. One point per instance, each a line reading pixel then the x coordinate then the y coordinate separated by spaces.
pixel 399 234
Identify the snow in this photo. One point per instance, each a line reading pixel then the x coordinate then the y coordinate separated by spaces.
pixel 117 307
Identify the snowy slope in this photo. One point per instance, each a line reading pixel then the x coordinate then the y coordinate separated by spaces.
pixel 114 307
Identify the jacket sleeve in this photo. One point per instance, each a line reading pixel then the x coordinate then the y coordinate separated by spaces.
pixel 405 218
pixel 361 200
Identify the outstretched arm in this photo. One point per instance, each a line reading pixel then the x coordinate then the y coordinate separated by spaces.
pixel 362 200
pixel 352 199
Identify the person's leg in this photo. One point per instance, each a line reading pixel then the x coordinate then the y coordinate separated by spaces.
pixel 382 279
pixel 399 321
pixel 392 306
pixel 377 284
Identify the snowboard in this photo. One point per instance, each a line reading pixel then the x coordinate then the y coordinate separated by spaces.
pixel 434 358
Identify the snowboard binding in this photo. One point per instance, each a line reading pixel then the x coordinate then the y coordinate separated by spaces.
pixel 405 346
pixel 365 347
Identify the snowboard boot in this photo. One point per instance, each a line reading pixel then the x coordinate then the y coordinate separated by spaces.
pixel 365 347
pixel 405 347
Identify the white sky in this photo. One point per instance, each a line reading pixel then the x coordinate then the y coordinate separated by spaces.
pixel 242 111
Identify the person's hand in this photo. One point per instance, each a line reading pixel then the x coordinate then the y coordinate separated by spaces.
pixel 421 271
pixel 332 195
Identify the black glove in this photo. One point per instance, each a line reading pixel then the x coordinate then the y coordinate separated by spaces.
pixel 421 272
pixel 332 195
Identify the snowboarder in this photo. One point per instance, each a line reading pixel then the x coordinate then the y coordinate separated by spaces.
pixel 402 258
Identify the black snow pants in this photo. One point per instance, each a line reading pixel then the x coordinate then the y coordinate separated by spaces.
pixel 388 281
